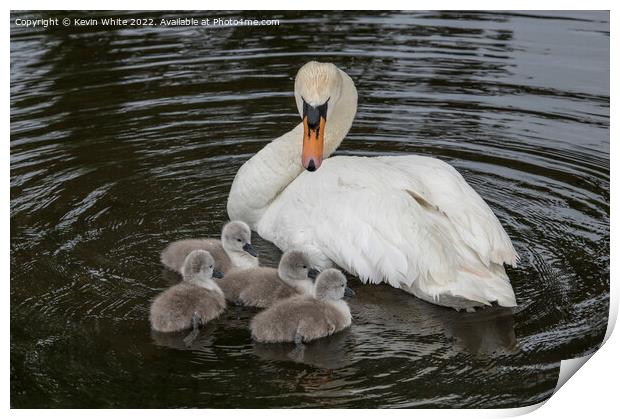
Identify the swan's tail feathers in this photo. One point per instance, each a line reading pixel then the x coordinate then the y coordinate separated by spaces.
pixel 507 255
pixel 505 294
pixel 467 288
pixel 486 286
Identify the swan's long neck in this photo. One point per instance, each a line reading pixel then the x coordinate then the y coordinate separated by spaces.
pixel 262 178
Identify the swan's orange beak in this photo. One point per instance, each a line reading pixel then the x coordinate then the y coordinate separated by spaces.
pixel 314 118
pixel 312 151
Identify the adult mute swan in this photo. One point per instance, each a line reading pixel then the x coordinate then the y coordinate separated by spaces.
pixel 410 221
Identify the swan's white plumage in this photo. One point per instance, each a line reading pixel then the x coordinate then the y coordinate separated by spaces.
pixel 411 221
pixel 401 220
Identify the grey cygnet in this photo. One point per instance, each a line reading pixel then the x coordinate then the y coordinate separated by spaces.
pixel 234 250
pixel 261 287
pixel 191 303
pixel 305 318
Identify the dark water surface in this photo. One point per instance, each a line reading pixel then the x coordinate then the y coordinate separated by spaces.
pixel 125 139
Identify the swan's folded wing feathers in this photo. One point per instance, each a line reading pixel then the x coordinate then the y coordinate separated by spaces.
pixel 384 224
pixel 445 188
pixel 379 228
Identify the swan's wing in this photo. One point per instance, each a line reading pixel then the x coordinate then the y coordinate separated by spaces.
pixel 472 218
pixel 380 223
pixel 352 212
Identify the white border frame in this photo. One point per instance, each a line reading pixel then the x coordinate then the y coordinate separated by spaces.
pixel 591 392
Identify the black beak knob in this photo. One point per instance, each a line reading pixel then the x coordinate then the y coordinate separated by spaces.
pixel 313 114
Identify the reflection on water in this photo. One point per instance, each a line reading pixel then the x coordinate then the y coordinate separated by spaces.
pixel 123 140
pixel 489 332
pixel 329 353
pixel 203 342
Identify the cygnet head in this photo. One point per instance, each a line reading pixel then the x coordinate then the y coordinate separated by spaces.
pixel 294 267
pixel 318 87
pixel 237 238
pixel 198 267
pixel 331 284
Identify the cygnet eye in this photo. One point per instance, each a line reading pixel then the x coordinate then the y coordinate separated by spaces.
pixel 210 266
pixel 305 267
pixel 238 240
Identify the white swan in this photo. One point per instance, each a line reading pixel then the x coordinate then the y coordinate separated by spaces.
pixel 410 221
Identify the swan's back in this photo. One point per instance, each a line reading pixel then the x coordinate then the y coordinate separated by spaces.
pixel 175 253
pixel 173 309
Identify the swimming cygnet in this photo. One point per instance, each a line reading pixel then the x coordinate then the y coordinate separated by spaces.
pixel 193 302
pixel 261 287
pixel 308 317
pixel 235 250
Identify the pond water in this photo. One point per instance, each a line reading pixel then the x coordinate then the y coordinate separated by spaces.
pixel 123 139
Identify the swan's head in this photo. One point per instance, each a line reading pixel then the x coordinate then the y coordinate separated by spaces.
pixel 317 88
pixel 199 267
pixel 237 237
pixel 295 269
pixel 331 284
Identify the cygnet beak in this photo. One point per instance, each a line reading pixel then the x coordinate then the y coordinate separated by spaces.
pixel 348 292
pixel 312 274
pixel 218 274
pixel 250 249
